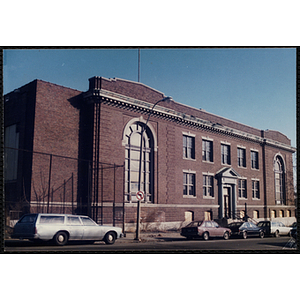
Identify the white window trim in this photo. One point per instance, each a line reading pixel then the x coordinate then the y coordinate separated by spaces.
pixel 189 171
pixel 213 175
pixel 242 198
pixel 256 199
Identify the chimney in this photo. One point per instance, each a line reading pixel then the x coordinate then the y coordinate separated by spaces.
pixel 95 83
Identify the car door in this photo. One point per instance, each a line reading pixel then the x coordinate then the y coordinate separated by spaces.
pixel 91 230
pixel 216 229
pixel 209 228
pixel 75 228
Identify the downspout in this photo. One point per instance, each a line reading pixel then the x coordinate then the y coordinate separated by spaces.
pixel 264 175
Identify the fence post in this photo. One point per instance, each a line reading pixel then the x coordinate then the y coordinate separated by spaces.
pixel 49 183
pixel 72 196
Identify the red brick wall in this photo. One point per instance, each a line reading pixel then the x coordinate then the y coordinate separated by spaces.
pixel 55 132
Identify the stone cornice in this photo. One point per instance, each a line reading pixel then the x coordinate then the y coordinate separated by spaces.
pixel 129 103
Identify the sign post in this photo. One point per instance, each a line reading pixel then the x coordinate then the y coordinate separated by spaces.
pixel 140 197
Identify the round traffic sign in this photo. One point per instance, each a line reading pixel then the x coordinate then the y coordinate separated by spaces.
pixel 140 195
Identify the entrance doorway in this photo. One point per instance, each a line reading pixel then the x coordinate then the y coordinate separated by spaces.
pixel 227 204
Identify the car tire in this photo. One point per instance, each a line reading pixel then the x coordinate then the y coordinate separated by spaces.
pixel 205 236
pixel 261 234
pixel 276 234
pixel 110 238
pixel 226 235
pixel 61 238
pixel 244 234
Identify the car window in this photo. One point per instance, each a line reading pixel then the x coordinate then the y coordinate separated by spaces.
pixel 52 219
pixel 208 224
pixel 194 224
pixel 88 221
pixel 214 224
pixel 73 221
pixel 28 219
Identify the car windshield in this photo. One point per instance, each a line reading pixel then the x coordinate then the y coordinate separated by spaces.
pixel 194 224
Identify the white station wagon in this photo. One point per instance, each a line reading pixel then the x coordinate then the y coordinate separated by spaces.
pixel 62 228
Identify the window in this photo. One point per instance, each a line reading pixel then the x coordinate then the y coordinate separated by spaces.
pixel 188 216
pixel 73 221
pixel 11 140
pixel 242 188
pixel 255 214
pixel 208 185
pixel 255 189
pixel 254 160
pixel 188 147
pixel 132 163
pixel 225 154
pixel 273 214
pixel 52 219
pixel 241 157
pixel 279 180
pixel 88 221
pixel 207 150
pixel 207 215
pixel 189 188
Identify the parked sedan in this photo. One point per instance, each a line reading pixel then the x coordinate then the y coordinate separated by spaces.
pixel 62 228
pixel 274 228
pixel 245 229
pixel 205 229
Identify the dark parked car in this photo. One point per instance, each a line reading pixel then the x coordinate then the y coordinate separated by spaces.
pixel 245 229
pixel 205 229
pixel 294 232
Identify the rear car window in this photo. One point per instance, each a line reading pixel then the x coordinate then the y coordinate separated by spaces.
pixel 88 222
pixel 28 219
pixel 73 221
pixel 52 219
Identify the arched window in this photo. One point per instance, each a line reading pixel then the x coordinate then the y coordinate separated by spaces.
pixel 132 161
pixel 279 180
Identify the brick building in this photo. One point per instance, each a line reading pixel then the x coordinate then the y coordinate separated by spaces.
pixel 79 153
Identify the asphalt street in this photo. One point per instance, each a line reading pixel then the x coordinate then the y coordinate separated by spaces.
pixel 163 242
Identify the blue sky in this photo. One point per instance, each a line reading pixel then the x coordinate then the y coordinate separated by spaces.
pixel 254 86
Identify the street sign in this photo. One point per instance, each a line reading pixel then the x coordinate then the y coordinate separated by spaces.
pixel 140 195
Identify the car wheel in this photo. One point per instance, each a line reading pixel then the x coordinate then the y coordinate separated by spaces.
pixel 110 238
pixel 226 235
pixel 245 235
pixel 205 236
pixel 276 234
pixel 61 238
pixel 261 234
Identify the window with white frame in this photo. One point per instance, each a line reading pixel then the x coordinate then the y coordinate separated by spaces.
pixel 207 150
pixel 254 160
pixel 242 184
pixel 132 160
pixel 208 185
pixel 279 180
pixel 189 184
pixel 225 154
pixel 241 153
pixel 255 189
pixel 188 147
